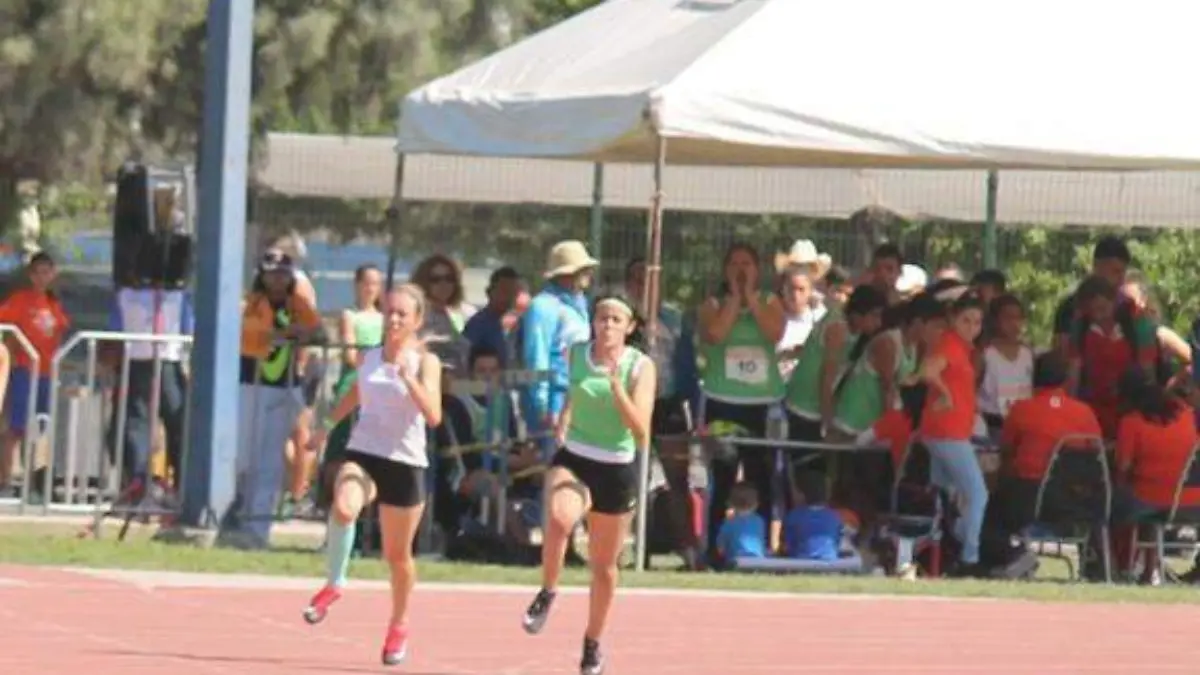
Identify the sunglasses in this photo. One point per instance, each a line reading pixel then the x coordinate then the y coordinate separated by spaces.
pixel 441 279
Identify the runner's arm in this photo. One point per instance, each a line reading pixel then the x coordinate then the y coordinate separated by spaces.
pixel 426 388
pixel 636 406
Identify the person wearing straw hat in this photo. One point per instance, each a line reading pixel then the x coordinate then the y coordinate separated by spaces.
pixel 557 318
pixel 804 254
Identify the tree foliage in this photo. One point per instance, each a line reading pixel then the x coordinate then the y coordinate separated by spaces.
pixel 86 84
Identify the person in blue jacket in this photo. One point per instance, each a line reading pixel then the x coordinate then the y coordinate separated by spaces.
pixel 557 318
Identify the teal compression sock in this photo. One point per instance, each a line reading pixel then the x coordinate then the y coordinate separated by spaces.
pixel 338 544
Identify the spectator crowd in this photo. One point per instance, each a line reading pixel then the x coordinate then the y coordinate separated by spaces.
pixel 891 356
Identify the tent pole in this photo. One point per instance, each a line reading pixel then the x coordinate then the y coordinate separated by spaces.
pixel 596 217
pixel 650 301
pixel 990 239
pixel 395 218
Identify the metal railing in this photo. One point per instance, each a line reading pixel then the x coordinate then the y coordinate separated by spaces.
pixel 28 447
pixel 110 481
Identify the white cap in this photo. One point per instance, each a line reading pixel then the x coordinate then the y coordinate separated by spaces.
pixel 912 279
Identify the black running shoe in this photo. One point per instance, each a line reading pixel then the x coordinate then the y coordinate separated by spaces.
pixel 539 610
pixel 592 662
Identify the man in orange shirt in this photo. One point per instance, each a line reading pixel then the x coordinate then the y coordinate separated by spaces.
pixel 37 313
pixel 1033 429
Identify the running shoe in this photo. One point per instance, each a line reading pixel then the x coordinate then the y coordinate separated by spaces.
pixel 592 662
pixel 395 646
pixel 539 610
pixel 319 606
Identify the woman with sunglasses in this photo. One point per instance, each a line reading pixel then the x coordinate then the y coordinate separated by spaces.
pixel 440 278
pixel 398 397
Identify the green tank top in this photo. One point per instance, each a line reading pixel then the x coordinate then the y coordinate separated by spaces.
pixel 804 387
pixel 367 326
pixel 596 430
pixel 742 369
pixel 861 400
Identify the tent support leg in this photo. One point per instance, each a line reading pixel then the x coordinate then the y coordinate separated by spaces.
pixel 990 239
pixel 395 220
pixel 596 217
pixel 650 301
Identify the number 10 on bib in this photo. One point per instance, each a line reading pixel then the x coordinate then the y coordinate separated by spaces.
pixel 747 365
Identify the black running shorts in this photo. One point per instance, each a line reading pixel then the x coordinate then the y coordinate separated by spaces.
pixel 396 484
pixel 612 487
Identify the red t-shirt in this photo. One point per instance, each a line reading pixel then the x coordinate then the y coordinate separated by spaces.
pixel 42 319
pixel 1104 358
pixel 1035 426
pixel 1156 455
pixel 894 429
pixel 958 422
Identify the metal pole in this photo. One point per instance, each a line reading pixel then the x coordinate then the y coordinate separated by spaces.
pixel 224 155
pixel 395 220
pixel 650 301
pixel 990 238
pixel 596 216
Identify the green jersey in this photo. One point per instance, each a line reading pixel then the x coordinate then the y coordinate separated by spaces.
pixel 743 368
pixel 804 387
pixel 596 430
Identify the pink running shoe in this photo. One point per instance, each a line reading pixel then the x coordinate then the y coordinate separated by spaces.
pixel 319 606
pixel 395 647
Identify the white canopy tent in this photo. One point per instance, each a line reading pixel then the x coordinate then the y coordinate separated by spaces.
pixel 923 83
pixel 853 83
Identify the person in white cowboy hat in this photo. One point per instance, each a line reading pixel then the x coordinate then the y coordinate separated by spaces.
pixel 804 254
pixel 557 318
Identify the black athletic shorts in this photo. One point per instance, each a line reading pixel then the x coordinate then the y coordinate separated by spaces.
pixel 396 484
pixel 613 487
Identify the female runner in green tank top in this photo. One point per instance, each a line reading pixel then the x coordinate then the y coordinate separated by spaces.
pixel 361 326
pixel 811 400
pixel 738 329
pixel 606 422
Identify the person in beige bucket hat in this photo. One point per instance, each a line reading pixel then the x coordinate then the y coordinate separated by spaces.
pixel 557 318
pixel 570 259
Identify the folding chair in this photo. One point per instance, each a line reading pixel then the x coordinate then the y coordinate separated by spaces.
pixel 1074 500
pixel 915 521
pixel 1175 517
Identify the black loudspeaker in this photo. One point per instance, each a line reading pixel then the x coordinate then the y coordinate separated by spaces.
pixel 145 254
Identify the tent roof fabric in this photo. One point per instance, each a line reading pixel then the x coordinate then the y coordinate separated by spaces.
pixel 1072 84
pixel 364 167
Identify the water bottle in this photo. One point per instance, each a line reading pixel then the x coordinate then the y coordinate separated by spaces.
pixel 777 423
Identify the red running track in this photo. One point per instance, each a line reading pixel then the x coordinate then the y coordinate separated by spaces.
pixel 74 623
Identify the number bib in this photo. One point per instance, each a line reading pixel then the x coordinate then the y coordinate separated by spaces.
pixel 746 365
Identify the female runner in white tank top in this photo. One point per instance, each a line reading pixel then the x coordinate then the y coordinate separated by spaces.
pixel 398 395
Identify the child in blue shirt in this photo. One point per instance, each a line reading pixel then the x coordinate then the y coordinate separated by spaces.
pixel 745 534
pixel 812 530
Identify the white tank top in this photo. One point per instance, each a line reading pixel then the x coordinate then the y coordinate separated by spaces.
pixel 1005 382
pixel 390 425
